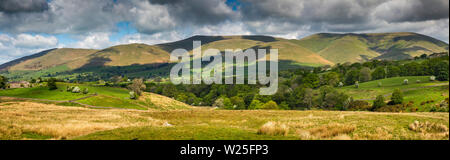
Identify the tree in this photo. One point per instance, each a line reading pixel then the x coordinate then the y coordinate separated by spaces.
pixel 423 56
pixel 330 98
pixel 311 81
pixel 308 97
pixel 331 79
pixel 137 86
pixel 227 104
pixel 238 102
pixel 393 71
pixel 397 97
pixel 51 83
pixel 364 75
pixel 379 73
pixel 255 104
pixel 271 105
pixel 378 103
pixel 3 82
pixel 351 77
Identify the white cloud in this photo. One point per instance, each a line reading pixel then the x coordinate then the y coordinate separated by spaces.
pixel 94 41
pixel 12 47
pixel 37 41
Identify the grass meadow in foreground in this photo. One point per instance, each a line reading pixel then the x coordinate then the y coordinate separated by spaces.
pixel 29 120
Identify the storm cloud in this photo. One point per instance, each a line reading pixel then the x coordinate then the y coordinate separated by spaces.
pixel 17 6
pixel 91 22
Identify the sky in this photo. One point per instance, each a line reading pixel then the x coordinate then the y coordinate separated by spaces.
pixel 31 26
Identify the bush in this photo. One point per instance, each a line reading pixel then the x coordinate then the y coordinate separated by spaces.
pixel 255 104
pixel 397 97
pixel 356 84
pixel 137 86
pixel 52 84
pixel 227 104
pixel 380 84
pixel 405 82
pixel 85 91
pixel 341 84
pixel 271 105
pixel 359 106
pixel 392 108
pixel 418 81
pixel 218 103
pixel 69 88
pixel 238 102
pixel 379 102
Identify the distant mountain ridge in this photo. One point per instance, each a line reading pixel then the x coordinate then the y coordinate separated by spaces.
pixel 315 50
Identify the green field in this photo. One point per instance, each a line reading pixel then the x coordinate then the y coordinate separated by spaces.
pixel 424 91
pixel 105 96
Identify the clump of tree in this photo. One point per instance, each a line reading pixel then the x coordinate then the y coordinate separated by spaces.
pixel 378 103
pixel 3 82
pixel 51 83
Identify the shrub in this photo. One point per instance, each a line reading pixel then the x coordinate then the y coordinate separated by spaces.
pixel 218 103
pixel 52 84
pixel 380 84
pixel 274 128
pixel 397 97
pixel 379 102
pixel 255 104
pixel 341 84
pixel 356 84
pixel 392 108
pixel 418 81
pixel 238 102
pixel 405 82
pixel 137 86
pixel 271 105
pixel 85 91
pixel 69 88
pixel 359 106
pixel 227 104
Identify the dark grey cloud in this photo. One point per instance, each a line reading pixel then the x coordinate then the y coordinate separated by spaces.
pixel 62 16
pixel 198 11
pixel 17 6
pixel 413 10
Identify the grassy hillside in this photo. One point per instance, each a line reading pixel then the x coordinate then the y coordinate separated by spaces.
pixel 206 124
pixel 66 56
pixel 341 48
pixel 126 55
pixel 424 91
pixel 315 50
pixel 98 97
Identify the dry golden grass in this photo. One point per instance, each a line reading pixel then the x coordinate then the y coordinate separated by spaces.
pixel 162 102
pixel 274 128
pixel 64 122
pixel 428 127
pixel 19 119
pixel 330 131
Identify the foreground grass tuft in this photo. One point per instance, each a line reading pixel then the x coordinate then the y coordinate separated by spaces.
pixel 274 128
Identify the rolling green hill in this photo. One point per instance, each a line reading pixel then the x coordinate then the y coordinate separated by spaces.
pixel 315 50
pixel 340 48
